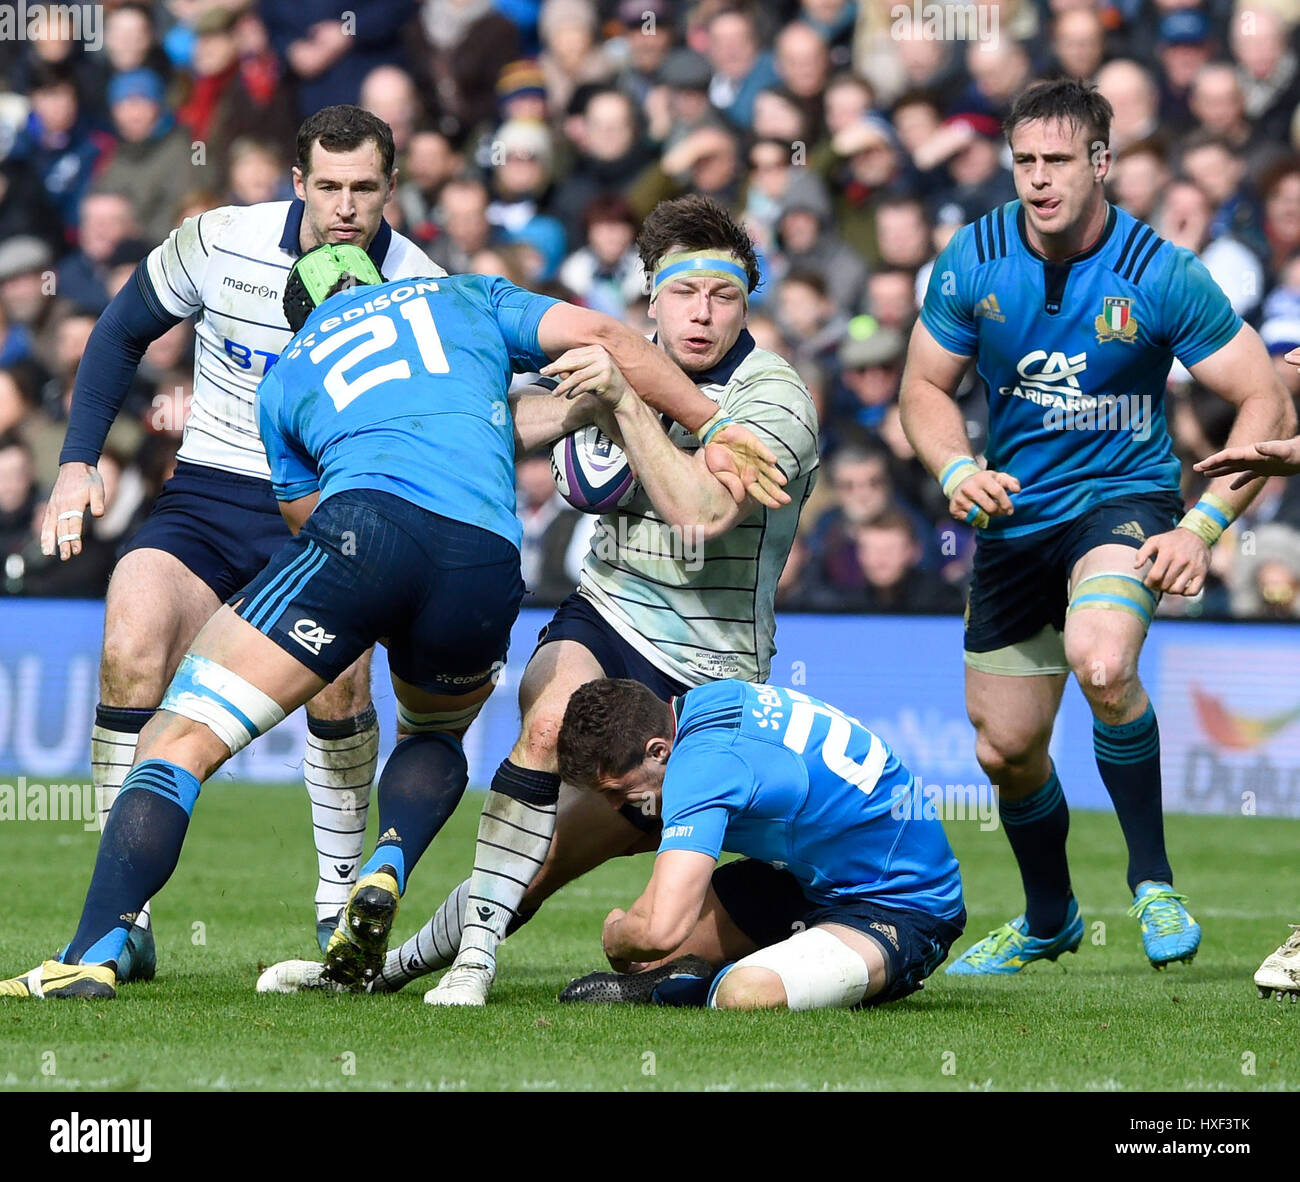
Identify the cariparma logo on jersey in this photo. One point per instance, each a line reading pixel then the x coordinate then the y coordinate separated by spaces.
pixel 1116 322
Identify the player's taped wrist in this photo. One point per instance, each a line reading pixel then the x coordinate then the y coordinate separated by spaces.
pixel 1208 518
pixel 713 426
pixel 956 471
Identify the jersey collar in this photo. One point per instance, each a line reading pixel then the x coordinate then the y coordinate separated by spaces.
pixel 377 250
pixel 1102 238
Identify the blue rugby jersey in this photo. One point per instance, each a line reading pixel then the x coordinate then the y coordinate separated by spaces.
pixel 780 776
pixel 1075 355
pixel 402 387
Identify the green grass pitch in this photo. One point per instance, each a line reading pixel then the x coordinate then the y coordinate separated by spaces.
pixel 1098 1020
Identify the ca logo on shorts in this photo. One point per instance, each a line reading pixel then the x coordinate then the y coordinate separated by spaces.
pixel 311 635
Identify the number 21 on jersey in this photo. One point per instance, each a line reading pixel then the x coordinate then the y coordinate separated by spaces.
pixel 804 712
pixel 374 335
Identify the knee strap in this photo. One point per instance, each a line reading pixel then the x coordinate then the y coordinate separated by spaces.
pixel 233 709
pixel 1114 591
pixel 818 971
pixel 415 723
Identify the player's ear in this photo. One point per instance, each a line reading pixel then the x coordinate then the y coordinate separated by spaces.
pixel 658 749
pixel 299 184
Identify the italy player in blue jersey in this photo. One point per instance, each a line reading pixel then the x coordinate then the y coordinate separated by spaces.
pixel 391 437
pixel 1073 312
pixel 848 894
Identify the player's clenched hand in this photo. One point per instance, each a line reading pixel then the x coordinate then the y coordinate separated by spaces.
pixel 77 486
pixel 1275 457
pixel 983 495
pixel 588 370
pixel 743 464
pixel 1181 560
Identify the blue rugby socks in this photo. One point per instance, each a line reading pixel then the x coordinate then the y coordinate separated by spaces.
pixel 421 785
pixel 1037 827
pixel 137 853
pixel 1128 758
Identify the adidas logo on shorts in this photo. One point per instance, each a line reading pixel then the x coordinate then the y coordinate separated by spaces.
pixel 1130 529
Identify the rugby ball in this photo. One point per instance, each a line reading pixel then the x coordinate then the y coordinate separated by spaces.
pixel 591 471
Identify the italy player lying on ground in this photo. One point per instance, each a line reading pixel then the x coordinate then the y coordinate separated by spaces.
pixel 1279 975
pixel 677 589
pixel 216 523
pixel 846 895
pixel 1074 313
pixel 391 445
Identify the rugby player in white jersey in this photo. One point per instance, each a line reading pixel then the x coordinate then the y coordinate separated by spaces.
pixel 216 523
pixel 677 590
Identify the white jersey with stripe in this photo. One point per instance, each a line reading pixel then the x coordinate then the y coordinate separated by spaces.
pixel 229 266
pixel 702 611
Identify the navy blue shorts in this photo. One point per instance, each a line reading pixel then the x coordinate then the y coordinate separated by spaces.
pixel 368 566
pixel 769 906
pixel 577 619
pixel 1021 584
pixel 223 526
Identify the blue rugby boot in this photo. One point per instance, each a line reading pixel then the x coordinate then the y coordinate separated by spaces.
pixel 325 929
pixel 1169 933
pixel 1010 948
pixel 139 959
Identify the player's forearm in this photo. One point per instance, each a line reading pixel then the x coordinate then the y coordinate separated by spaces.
pixel 684 493
pixel 647 932
pixel 107 369
pixel 933 423
pixel 1268 414
pixel 651 374
pixel 541 418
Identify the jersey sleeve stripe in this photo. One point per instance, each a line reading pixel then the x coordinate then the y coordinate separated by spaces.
pixel 251 259
pixel 1126 271
pixel 156 306
pixel 1142 266
pixel 778 406
pixel 284 328
pixel 766 431
pixel 198 230
pixel 979 242
pixel 180 259
pixel 1001 215
pixel 1128 245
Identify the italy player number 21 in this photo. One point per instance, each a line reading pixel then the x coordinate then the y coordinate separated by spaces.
pixel 376 334
pixel 835 743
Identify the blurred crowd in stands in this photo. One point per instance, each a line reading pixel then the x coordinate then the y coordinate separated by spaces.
pixel 534 135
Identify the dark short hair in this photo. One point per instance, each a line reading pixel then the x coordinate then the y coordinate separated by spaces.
pixel 344 128
pixel 51 75
pixel 694 222
pixel 893 520
pixel 606 727
pixel 1065 100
